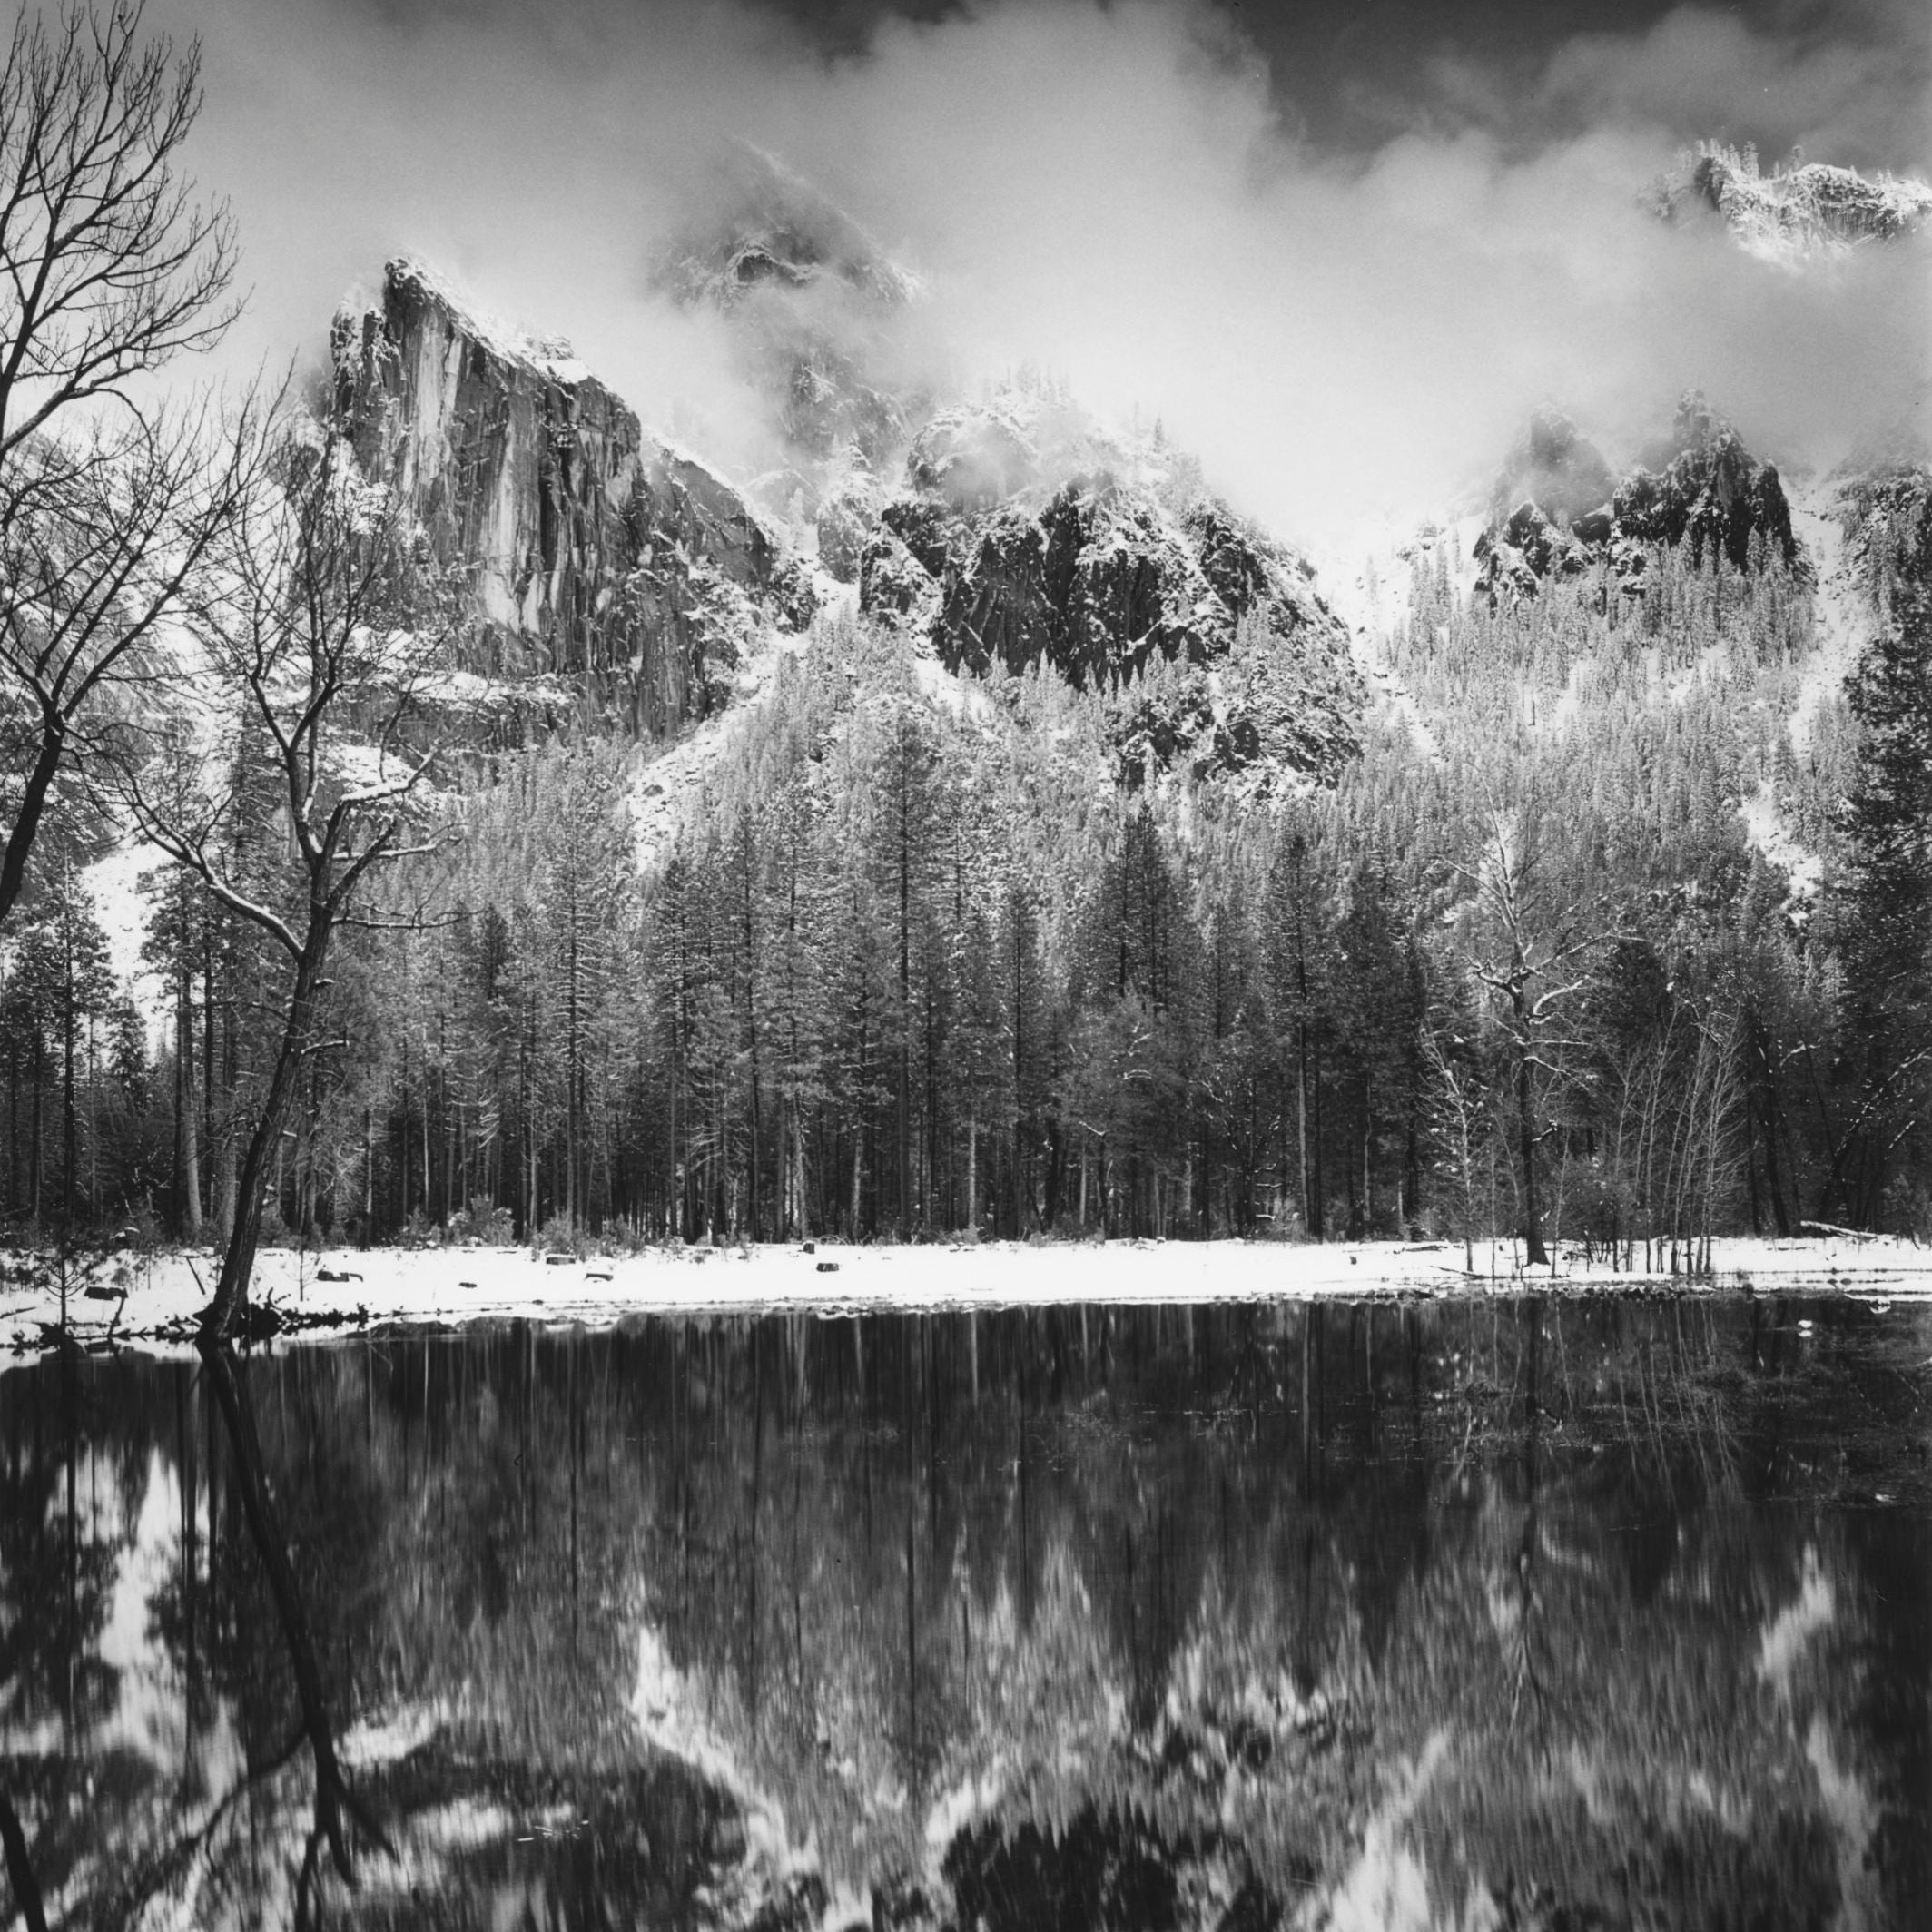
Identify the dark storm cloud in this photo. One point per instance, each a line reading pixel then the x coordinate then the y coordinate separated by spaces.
pixel 1126 195
pixel 1857 97
pixel 1350 73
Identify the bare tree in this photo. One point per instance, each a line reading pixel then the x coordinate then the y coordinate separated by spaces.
pixel 307 646
pixel 309 634
pixel 1462 1121
pixel 1532 958
pixel 109 269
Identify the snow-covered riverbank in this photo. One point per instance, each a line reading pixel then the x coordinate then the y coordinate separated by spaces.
pixel 152 1294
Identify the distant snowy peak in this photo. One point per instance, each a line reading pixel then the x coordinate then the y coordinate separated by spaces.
pixel 1555 467
pixel 814 310
pixel 764 228
pixel 1029 438
pixel 1800 212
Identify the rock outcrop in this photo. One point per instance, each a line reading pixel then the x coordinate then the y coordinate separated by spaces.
pixel 1883 504
pixel 1709 491
pixel 598 559
pixel 1702 487
pixel 1554 467
pixel 814 305
pixel 1024 536
pixel 1798 211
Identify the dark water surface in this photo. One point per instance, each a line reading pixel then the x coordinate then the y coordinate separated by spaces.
pixel 1529 1614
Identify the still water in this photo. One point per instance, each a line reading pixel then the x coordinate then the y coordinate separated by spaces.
pixel 1521 1613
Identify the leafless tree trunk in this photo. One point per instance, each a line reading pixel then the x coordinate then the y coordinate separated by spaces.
pixel 20 1868
pixel 187 1139
pixel 1532 959
pixel 309 634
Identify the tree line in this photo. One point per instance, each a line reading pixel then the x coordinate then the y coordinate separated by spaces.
pixel 917 967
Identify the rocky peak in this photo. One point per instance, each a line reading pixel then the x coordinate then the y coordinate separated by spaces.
pixel 1700 486
pixel 1554 467
pixel 595 554
pixel 763 228
pixel 812 301
pixel 1710 490
pixel 971 460
pixel 1800 209
pixel 1024 535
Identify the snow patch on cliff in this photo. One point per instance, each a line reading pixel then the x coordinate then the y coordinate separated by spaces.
pixel 551 354
pixel 1843 616
pixel 1766 832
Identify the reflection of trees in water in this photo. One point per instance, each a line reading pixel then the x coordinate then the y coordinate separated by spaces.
pixel 183 1754
pixel 1167 1586
pixel 63 1500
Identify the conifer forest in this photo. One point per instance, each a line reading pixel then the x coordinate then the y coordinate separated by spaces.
pixel 917 964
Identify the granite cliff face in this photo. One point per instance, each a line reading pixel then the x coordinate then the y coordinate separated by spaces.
pixel 621 571
pixel 1557 511
pixel 1024 536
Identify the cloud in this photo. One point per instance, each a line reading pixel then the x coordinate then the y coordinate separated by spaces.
pixel 1859 96
pixel 1113 194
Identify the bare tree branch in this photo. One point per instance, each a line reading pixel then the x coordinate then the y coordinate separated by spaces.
pixel 309 627
pixel 108 271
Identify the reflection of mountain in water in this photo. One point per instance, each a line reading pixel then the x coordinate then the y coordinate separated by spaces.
pixel 1584 1614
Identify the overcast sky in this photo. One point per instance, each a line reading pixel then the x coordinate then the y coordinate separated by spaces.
pixel 1340 248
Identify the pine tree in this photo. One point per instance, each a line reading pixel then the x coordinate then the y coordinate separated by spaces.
pixel 1888 942
pixel 1298 960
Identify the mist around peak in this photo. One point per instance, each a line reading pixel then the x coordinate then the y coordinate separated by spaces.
pixel 1122 197
pixel 758 226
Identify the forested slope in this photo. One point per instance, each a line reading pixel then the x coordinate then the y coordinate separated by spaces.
pixel 918 960
pixel 1055 871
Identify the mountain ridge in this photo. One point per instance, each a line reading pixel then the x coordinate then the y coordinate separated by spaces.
pixel 1800 212
pixel 1023 534
pixel 1568 511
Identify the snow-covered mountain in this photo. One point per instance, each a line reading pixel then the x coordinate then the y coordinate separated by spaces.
pixel 762 227
pixel 1558 509
pixel 1799 211
pixel 1024 533
pixel 614 576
